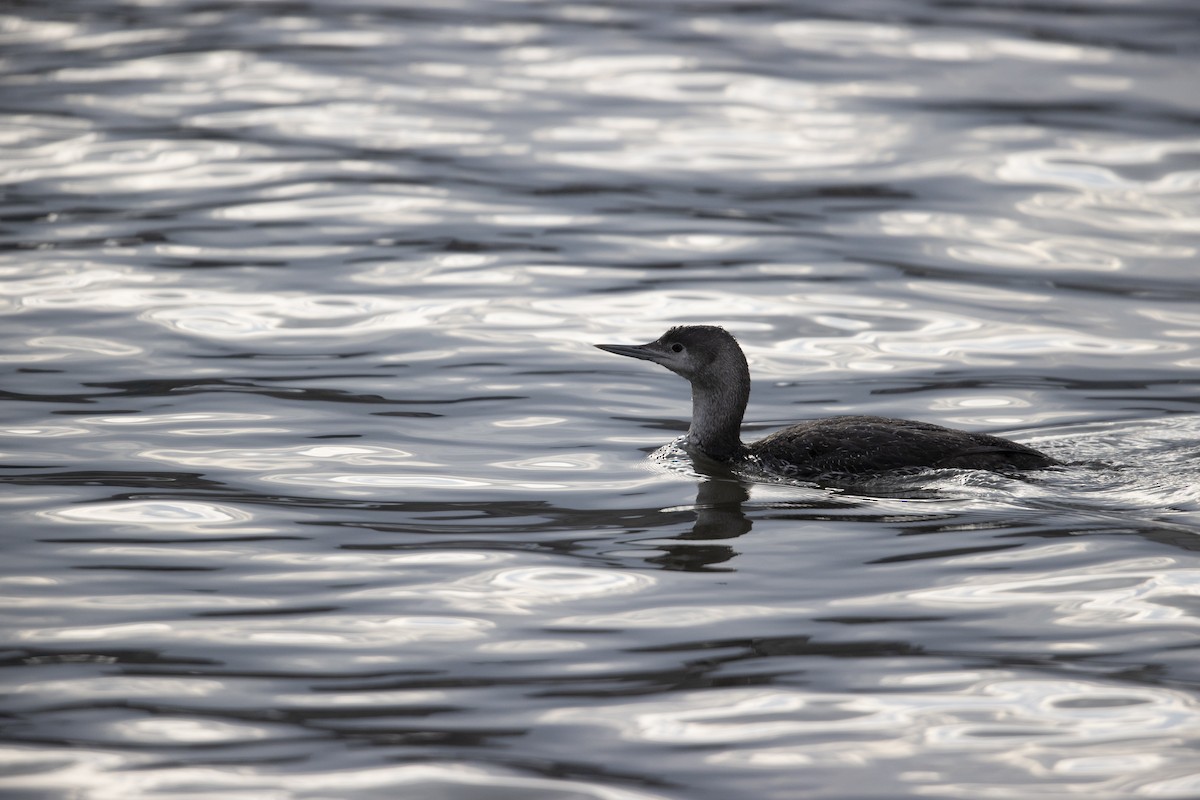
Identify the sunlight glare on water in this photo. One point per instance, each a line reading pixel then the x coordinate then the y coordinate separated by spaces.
pixel 318 488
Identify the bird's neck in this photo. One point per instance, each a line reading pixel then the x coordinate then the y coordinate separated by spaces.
pixel 717 410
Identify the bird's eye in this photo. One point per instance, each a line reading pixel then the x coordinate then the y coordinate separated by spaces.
pixel 677 348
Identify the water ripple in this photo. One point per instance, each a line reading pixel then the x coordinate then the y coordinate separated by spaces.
pixel 192 517
pixel 316 485
pixel 985 716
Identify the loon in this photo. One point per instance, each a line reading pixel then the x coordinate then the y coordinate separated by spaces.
pixel 710 359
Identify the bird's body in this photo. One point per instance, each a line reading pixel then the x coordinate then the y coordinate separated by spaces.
pixel 711 360
pixel 873 444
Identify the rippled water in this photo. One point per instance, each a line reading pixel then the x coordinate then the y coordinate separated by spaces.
pixel 315 487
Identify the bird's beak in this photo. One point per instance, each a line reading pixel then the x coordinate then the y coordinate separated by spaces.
pixel 646 352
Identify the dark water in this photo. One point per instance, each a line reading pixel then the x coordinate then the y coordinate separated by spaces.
pixel 315 487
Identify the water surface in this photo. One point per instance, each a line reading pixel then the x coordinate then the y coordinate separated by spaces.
pixel 318 489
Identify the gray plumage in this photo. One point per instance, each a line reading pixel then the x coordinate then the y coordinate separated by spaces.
pixel 710 359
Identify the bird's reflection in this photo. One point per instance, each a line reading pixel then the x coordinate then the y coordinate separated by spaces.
pixel 719 515
pixel 720 507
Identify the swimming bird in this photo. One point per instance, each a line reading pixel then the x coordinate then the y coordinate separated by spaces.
pixel 711 360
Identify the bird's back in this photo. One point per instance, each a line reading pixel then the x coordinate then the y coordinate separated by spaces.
pixel 861 444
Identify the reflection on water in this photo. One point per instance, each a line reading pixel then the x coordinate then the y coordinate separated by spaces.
pixel 317 487
pixel 177 515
